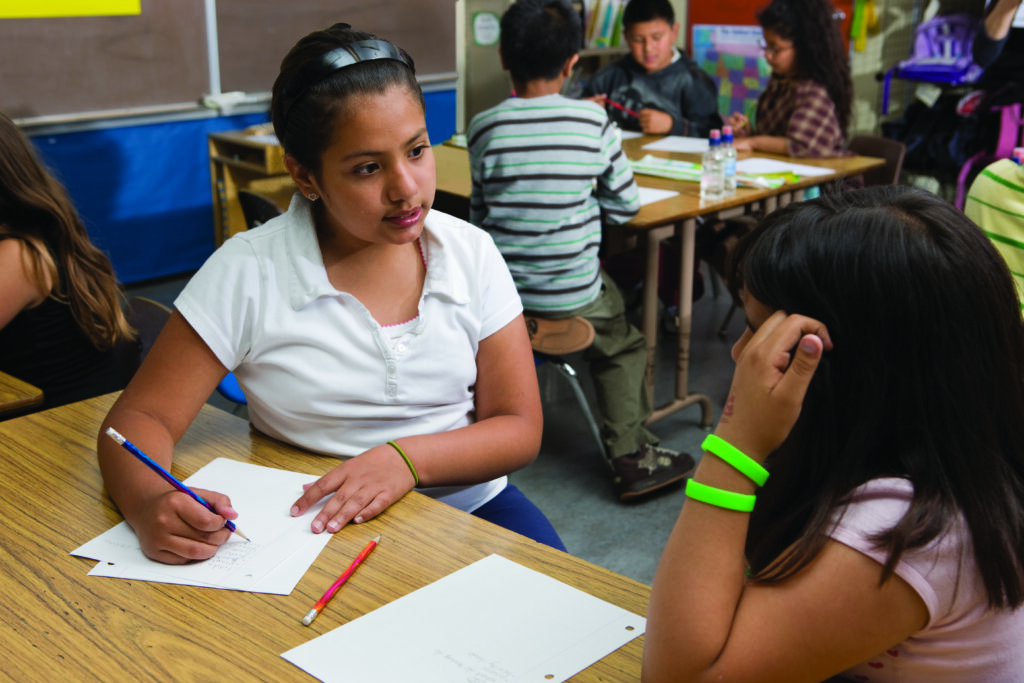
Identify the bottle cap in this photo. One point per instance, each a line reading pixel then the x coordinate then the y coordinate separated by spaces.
pixel 726 130
pixel 716 136
pixel 1018 155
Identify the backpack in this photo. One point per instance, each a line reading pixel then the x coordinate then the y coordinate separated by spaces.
pixel 941 54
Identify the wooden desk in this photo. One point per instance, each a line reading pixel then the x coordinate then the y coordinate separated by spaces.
pixel 17 395
pixel 661 220
pixel 58 622
pixel 240 161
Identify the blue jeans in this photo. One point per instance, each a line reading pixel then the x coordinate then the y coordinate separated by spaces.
pixel 514 511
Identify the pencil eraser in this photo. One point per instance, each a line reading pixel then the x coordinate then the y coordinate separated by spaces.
pixel 308 619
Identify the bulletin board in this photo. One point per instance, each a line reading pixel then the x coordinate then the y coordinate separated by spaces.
pixel 161 57
pixel 61 65
pixel 732 57
pixel 255 34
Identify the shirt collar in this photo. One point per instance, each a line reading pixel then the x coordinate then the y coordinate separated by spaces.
pixel 307 279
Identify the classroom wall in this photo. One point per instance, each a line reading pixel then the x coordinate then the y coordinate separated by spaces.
pixel 144 190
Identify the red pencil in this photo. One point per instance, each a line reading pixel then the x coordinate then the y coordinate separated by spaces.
pixel 619 106
pixel 322 602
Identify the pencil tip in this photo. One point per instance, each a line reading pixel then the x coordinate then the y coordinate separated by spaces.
pixel 242 535
pixel 377 540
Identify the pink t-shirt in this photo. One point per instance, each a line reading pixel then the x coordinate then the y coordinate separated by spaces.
pixel 963 640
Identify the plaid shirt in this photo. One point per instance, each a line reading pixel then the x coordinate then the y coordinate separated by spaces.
pixel 804 114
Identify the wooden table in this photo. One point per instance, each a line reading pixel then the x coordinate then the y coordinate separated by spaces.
pixel 661 220
pixel 16 395
pixel 60 624
pixel 242 160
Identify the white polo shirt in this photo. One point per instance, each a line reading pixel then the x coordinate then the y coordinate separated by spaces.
pixel 316 368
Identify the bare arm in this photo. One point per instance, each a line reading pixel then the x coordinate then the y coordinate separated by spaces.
pixel 706 623
pixel 18 290
pixel 153 412
pixel 504 438
pixel 772 144
pixel 1000 19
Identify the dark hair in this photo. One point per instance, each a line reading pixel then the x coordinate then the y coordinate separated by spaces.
pixel 308 95
pixel 538 37
pixel 35 209
pixel 637 11
pixel 925 380
pixel 820 55
pixel 647 10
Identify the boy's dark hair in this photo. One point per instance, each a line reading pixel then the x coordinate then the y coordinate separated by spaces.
pixel 647 10
pixel 904 283
pixel 538 37
pixel 304 118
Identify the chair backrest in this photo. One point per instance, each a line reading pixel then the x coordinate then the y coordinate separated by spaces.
pixel 148 318
pixel 892 151
pixel 257 208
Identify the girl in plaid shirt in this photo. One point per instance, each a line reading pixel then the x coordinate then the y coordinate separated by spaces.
pixel 805 110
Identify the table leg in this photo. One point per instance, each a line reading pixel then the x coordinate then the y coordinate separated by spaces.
pixel 682 398
pixel 649 319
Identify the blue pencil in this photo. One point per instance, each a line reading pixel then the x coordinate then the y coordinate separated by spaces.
pixel 170 478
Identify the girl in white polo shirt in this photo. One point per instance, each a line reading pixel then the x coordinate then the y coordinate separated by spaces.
pixel 359 323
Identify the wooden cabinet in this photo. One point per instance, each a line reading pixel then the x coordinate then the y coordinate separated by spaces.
pixel 240 160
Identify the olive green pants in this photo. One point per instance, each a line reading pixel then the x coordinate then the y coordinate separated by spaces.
pixel 617 362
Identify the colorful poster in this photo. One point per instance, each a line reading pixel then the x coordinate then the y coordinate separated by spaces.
pixel 732 56
pixel 45 9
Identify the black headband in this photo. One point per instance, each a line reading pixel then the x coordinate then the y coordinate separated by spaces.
pixel 317 70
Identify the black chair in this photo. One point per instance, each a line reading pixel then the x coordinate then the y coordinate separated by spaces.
pixel 148 318
pixel 892 151
pixel 257 208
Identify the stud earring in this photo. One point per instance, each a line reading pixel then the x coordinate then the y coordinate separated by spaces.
pixel 312 196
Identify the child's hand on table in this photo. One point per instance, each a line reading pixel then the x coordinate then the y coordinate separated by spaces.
pixel 174 529
pixel 363 487
pixel 654 121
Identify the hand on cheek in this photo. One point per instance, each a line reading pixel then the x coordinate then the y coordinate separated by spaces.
pixel 774 368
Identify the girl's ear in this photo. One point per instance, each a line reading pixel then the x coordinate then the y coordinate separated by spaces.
pixel 303 178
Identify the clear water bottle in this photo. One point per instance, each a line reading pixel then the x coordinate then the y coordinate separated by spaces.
pixel 712 168
pixel 729 159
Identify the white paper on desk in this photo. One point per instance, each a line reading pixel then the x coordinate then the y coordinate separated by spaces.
pixel 280 550
pixel 494 620
pixel 678 143
pixel 649 195
pixel 630 134
pixel 755 165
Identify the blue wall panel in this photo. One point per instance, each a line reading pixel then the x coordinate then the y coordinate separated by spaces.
pixel 144 190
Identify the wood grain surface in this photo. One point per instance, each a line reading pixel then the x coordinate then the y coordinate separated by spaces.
pixel 60 624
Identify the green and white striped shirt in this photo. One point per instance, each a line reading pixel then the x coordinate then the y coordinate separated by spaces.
pixel 545 170
pixel 996 203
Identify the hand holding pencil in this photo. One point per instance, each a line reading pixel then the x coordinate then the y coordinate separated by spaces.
pixel 171 529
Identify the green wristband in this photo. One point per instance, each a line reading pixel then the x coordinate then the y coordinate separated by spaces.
pixel 715 445
pixel 415 477
pixel 730 500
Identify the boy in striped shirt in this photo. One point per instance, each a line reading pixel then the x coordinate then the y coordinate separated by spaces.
pixel 546 171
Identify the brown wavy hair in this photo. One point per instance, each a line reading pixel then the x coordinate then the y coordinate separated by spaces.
pixel 35 209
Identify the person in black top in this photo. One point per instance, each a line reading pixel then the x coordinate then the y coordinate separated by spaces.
pixel 60 304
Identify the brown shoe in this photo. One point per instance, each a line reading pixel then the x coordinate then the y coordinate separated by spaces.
pixel 649 469
pixel 555 337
